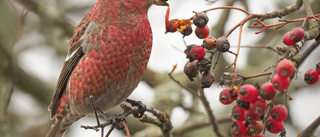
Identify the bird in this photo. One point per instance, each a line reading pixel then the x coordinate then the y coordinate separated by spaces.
pixel 107 57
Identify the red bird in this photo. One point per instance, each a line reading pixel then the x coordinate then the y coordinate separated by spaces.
pixel 107 56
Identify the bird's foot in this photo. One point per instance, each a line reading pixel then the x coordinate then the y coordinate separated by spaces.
pixel 141 107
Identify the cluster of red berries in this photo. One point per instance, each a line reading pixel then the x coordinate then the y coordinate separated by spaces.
pixel 312 76
pixel 293 36
pixel 284 70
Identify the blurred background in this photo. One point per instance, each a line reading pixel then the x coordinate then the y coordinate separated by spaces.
pixel 34 35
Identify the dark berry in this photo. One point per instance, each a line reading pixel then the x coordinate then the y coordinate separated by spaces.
pixel 258 106
pixel 267 91
pixel 204 65
pixel 197 52
pixel 242 104
pixel 209 42
pixel 274 126
pixel 311 77
pixel 255 128
pixel 280 83
pixel 238 129
pixel 203 32
pixel 200 19
pixel 297 34
pixel 222 44
pixel 285 68
pixel 207 79
pixel 287 39
pixel 187 51
pixel 248 93
pixel 237 113
pixel 186 31
pixel 279 112
pixel 190 69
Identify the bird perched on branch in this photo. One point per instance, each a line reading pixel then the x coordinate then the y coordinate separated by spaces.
pixel 107 57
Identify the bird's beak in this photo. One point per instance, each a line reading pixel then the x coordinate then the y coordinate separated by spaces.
pixel 161 2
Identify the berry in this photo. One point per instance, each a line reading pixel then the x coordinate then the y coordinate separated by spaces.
pixel 258 106
pixel 267 91
pixel 186 31
pixel 200 19
pixel 242 104
pixel 209 42
pixel 297 34
pixel 285 68
pixel 255 128
pixel 197 52
pixel 238 129
pixel 187 51
pixel 203 32
pixel 280 83
pixel 274 126
pixel 248 93
pixel 279 113
pixel 207 79
pixel 190 69
pixel 311 77
pixel 204 65
pixel 222 44
pixel 250 116
pixel 226 96
pixel 287 39
pixel 171 25
pixel 318 68
pixel 237 113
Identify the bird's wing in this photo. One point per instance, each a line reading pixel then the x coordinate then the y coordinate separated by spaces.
pixel 78 47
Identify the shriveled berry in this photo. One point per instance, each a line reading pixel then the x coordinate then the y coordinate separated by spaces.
pixel 297 34
pixel 311 77
pixel 204 65
pixel 237 113
pixel 186 31
pixel 242 104
pixel 200 19
pixel 170 25
pixel 279 112
pixel 248 93
pixel 318 68
pixel 258 106
pixel 226 96
pixel 222 44
pixel 250 116
pixel 280 83
pixel 287 39
pixel 285 68
pixel 274 126
pixel 187 51
pixel 238 129
pixel 197 52
pixel 203 32
pixel 190 69
pixel 255 128
pixel 207 79
pixel 267 91
pixel 209 42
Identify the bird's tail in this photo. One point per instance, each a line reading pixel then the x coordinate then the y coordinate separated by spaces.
pixel 59 126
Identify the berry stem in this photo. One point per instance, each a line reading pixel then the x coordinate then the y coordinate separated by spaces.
pixel 228 7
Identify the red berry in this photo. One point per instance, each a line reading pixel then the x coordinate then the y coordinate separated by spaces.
pixel 255 128
pixel 279 112
pixel 274 126
pixel 267 91
pixel 170 25
pixel 258 106
pixel 280 83
pixel 287 39
pixel 226 96
pixel 237 113
pixel 238 129
pixel 222 44
pixel 200 19
pixel 285 68
pixel 318 68
pixel 203 32
pixel 311 77
pixel 248 93
pixel 297 34
pixel 197 52
pixel 250 116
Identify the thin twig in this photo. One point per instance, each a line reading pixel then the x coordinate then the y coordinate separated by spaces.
pixel 308 131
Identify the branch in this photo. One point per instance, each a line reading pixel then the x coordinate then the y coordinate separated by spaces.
pixel 310 129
